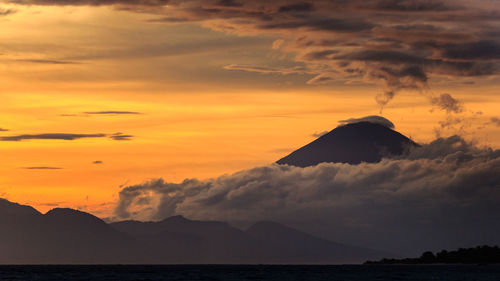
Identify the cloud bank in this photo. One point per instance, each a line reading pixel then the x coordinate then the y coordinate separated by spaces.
pixel 400 44
pixel 444 194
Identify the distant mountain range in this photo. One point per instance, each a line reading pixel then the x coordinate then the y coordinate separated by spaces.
pixel 352 143
pixel 66 236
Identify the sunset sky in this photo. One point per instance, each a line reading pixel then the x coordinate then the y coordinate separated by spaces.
pixel 98 95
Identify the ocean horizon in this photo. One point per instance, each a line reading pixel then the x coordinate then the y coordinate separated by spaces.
pixel 251 272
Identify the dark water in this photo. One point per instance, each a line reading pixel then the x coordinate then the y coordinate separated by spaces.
pixel 252 272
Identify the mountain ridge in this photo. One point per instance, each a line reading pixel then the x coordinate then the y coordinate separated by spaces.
pixel 68 236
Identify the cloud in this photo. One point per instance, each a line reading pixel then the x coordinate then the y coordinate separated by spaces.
pixel 400 44
pixel 372 119
pixel 110 112
pixel 51 136
pixel 6 12
pixel 411 5
pixel 445 194
pixel 42 168
pixel 495 120
pixel 318 134
pixel 448 103
pixel 47 61
pixel 484 50
pixel 121 137
pixel 266 70
pixel 64 136
pixel 97 162
pixel 89 2
pixel 277 44
pixel 4 130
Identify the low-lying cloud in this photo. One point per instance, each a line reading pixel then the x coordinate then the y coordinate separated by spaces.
pixel 442 195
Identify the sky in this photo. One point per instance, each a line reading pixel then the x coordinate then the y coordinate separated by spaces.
pixel 101 95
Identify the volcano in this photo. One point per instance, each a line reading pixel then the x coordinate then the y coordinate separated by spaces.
pixel 352 143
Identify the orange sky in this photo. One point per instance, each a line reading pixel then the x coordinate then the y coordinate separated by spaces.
pixel 197 118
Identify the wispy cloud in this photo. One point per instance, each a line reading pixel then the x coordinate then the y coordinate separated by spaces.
pixel 401 45
pixel 110 112
pixel 51 136
pixel 120 137
pixel 42 168
pixel 266 69
pixel 64 136
pixel 42 61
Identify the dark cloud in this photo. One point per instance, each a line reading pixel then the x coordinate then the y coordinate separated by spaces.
pixel 443 194
pixel 64 136
pixel 6 12
pixel 448 103
pixel 320 55
pixel 411 5
pixel 47 61
pixel 4 130
pixel 121 137
pixel 42 168
pixel 401 44
pixel 169 20
pixel 111 112
pixel 55 136
pixel 328 24
pixel 230 3
pixel 97 162
pixel 495 120
pixel 90 2
pixel 297 7
pixel 482 50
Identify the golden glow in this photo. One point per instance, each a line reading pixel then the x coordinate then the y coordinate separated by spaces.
pixel 197 119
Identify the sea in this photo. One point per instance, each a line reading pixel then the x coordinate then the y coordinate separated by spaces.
pixel 251 272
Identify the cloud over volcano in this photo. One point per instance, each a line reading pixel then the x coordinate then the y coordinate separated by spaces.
pixel 448 190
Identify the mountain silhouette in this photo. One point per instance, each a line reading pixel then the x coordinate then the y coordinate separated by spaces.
pixel 293 246
pixel 67 236
pixel 59 236
pixel 352 143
